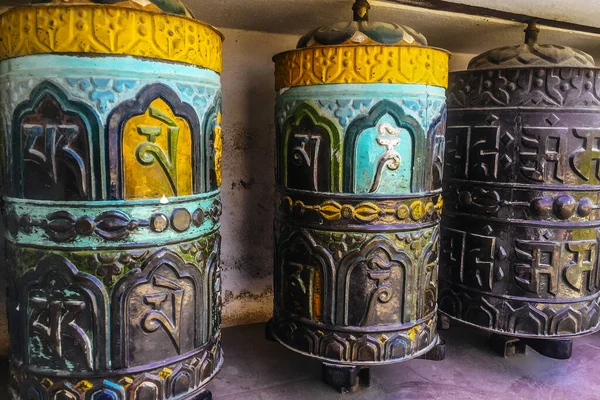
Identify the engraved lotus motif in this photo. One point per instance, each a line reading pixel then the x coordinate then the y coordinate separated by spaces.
pixel 362 33
pixel 532 54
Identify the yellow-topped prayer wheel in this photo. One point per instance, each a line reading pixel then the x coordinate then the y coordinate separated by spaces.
pixel 111 146
pixel 360 121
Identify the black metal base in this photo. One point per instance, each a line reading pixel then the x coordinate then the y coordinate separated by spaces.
pixel 560 349
pixel 203 395
pixel 443 322
pixel 346 378
pixel 438 352
pixel 269 331
pixel 350 378
pixel 509 346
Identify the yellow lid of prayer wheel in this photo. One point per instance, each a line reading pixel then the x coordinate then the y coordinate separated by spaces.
pixel 362 51
pixel 155 29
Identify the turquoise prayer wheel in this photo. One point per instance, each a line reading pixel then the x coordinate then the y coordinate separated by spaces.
pixel 111 148
pixel 360 120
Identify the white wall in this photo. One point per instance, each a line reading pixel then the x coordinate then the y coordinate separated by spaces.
pixel 248 177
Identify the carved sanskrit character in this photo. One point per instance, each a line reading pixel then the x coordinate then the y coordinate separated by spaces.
pixel 56 139
pixel 304 288
pixel 158 309
pixel 390 159
pixel 301 155
pixel 309 156
pixel 484 151
pixel 475 151
pixel 543 147
pixel 541 259
pixel 64 327
pixel 479 257
pixel 380 270
pixel 454 252
pixel 156 317
pixel 55 319
pixel 584 260
pixel 149 151
pixel 472 258
pixel 157 153
pixel 584 158
pixel 51 151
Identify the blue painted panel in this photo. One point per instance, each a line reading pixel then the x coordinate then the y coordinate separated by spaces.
pixel 383 160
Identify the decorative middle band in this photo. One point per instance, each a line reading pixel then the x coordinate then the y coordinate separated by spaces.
pixel 325 210
pixel 93 29
pixel 111 224
pixel 361 64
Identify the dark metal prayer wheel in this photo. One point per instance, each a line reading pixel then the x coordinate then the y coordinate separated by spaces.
pixel 522 192
pixel 111 146
pixel 360 118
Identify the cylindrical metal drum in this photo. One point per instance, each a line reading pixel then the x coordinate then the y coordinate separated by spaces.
pixel 111 145
pixel 360 119
pixel 522 189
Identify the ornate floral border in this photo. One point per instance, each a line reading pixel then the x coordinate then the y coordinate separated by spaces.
pixel 361 64
pixel 109 30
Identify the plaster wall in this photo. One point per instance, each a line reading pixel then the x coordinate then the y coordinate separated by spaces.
pixel 248 176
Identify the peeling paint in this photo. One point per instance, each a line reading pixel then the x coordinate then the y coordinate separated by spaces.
pixel 242 184
pixel 247 307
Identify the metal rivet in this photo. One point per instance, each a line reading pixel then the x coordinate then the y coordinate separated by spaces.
pixel 159 222
pixel 181 219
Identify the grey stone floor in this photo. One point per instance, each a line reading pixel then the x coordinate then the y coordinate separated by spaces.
pixel 259 370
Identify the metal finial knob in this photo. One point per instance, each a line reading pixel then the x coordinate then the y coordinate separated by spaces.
pixel 531 33
pixel 361 10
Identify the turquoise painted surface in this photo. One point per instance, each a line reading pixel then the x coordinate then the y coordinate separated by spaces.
pixel 383 160
pixel 143 210
pixel 63 119
pixel 103 82
pixel 344 102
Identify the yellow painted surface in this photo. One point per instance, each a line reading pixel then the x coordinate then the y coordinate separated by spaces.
pixel 108 30
pixel 361 64
pixel 218 151
pixel 317 296
pixel 173 176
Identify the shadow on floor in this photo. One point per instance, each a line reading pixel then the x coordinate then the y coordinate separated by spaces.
pixel 4 375
pixel 259 370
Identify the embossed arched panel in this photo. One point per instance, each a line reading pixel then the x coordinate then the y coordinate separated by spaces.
pixel 157 311
pixel 384 152
pixel 107 390
pixel 438 146
pixel 311 151
pixel 213 136
pixel 528 319
pixel 156 147
pixel 428 276
pixel 54 152
pixel 306 278
pixel 212 311
pixel 146 387
pixel 64 322
pixel 373 284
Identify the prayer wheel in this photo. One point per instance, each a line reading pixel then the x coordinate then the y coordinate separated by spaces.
pixel 360 120
pixel 522 193
pixel 111 144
